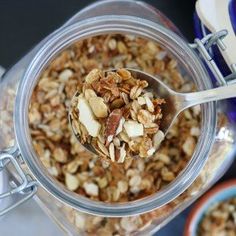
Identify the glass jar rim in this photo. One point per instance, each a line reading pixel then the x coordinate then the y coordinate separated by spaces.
pixel 60 40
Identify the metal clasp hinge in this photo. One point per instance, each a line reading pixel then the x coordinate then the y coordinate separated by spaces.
pixel 204 46
pixel 25 186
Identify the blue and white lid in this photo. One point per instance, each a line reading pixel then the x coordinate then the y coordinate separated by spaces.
pixel 217 15
pixel 213 16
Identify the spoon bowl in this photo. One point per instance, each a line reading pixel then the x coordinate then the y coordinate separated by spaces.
pixel 175 102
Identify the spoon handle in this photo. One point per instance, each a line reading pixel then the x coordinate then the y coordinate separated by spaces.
pixel 195 98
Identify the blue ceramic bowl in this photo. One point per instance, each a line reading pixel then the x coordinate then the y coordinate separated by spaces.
pixel 219 193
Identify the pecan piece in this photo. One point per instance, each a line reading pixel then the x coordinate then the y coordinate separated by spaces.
pixel 112 124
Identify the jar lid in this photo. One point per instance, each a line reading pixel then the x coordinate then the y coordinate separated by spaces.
pixel 216 16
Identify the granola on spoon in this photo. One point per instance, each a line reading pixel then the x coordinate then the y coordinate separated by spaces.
pixel 117 115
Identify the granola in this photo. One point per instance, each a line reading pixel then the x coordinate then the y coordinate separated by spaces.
pixel 62 154
pixel 220 219
pixel 113 182
pixel 108 103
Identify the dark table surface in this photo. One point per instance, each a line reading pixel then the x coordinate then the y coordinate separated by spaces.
pixel 23 23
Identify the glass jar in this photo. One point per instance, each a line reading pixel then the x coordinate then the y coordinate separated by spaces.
pixel 76 214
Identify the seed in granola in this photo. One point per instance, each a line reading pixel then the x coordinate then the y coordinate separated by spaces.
pixel 124 137
pixel 121 47
pixel 72 167
pixel 162 157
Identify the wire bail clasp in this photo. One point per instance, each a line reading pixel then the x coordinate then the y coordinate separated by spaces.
pixel 26 186
pixel 204 47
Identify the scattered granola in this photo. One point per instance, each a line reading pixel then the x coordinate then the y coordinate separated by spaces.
pixel 137 115
pixel 220 219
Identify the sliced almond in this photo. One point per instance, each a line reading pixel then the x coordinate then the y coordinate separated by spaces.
pixel 157 139
pixel 149 104
pixel 151 151
pixel 141 101
pixel 123 136
pixel 133 128
pixel 86 117
pixel 122 154
pixel 120 126
pixel 112 151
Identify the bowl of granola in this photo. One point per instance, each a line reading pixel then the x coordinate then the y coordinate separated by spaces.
pixel 215 212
